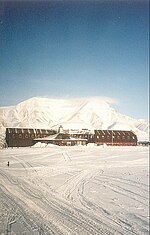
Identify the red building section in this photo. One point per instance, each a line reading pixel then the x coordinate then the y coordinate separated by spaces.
pixel 115 138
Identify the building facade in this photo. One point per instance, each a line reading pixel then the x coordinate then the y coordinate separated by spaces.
pixel 115 137
pixel 22 137
pixel 61 139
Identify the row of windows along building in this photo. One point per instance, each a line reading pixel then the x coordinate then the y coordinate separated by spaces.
pixel 23 137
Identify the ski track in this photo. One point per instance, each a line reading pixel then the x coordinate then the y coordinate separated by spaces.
pixel 35 206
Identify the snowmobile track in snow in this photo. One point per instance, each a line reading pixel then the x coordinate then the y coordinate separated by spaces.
pixel 73 191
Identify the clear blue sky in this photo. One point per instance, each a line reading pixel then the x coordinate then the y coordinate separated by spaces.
pixel 75 48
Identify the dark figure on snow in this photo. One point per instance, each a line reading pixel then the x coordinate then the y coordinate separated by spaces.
pixel 8 163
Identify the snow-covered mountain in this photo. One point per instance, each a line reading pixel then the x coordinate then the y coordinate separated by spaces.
pixel 75 113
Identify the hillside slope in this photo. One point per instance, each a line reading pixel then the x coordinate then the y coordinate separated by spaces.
pixel 76 113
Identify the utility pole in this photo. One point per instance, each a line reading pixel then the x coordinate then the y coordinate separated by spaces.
pixel 112 138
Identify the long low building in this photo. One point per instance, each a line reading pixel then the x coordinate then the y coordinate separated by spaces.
pixel 115 137
pixel 22 137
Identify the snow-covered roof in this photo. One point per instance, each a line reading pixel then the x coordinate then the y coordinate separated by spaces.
pixel 49 137
pixel 54 137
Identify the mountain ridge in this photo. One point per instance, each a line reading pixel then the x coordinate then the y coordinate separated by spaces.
pixel 74 113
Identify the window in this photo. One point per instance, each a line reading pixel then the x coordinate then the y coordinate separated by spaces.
pixel 20 136
pixel 26 136
pixel 13 136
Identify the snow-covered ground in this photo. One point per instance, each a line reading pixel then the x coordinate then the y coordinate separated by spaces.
pixel 86 190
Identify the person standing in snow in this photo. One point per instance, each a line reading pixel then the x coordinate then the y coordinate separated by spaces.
pixel 8 163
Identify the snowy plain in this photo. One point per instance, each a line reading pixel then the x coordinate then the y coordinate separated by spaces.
pixel 80 190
